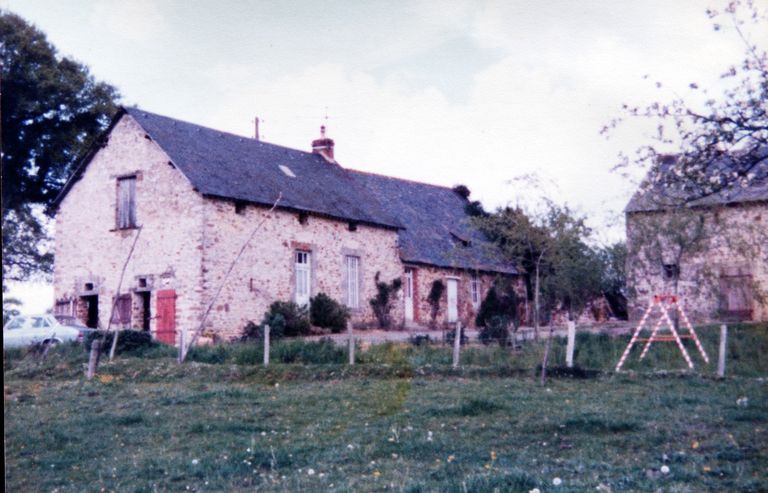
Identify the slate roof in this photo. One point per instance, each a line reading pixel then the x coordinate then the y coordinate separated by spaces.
pixel 660 197
pixel 436 231
pixel 234 167
pixel 432 225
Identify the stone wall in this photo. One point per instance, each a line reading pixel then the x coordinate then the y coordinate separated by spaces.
pixel 425 276
pixel 266 271
pixel 90 250
pixel 730 240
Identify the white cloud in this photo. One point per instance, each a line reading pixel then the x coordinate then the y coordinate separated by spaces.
pixel 134 20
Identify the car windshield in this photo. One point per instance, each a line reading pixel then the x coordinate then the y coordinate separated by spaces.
pixel 40 322
pixel 16 323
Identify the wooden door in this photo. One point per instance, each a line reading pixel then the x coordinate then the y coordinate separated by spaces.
pixel 166 316
pixel 453 300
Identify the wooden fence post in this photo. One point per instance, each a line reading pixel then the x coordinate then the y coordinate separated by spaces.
pixel 571 343
pixel 721 356
pixel 266 344
pixel 181 346
pixel 457 345
pixel 93 359
pixel 351 343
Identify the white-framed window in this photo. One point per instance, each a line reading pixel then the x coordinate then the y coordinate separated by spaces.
pixel 352 265
pixel 126 202
pixel 474 286
pixel 303 277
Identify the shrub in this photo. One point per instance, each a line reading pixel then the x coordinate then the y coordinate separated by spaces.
pixel 382 302
pixel 129 341
pixel 286 318
pixel 326 312
pixel 497 312
pixel 435 293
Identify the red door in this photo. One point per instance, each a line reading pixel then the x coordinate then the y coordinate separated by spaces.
pixel 166 316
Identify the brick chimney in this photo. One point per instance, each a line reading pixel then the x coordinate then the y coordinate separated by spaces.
pixel 323 146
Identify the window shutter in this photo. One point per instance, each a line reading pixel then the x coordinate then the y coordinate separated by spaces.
pixel 126 202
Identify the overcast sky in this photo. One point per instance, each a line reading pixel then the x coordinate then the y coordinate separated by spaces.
pixel 445 92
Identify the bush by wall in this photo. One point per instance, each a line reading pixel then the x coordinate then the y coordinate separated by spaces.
pixel 286 319
pixel 328 313
pixel 497 313
pixel 382 302
pixel 435 294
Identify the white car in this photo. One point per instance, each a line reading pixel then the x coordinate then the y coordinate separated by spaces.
pixel 26 330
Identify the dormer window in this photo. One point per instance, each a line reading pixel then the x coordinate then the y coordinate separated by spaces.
pixel 126 202
pixel 460 239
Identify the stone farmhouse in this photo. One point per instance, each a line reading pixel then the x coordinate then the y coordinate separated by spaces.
pixel 180 201
pixel 712 252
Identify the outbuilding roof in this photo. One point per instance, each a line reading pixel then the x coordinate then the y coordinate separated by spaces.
pixel 661 193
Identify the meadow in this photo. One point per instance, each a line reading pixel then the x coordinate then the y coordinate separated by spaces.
pixel 399 420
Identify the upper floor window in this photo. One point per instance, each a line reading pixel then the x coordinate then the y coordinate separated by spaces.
pixel 353 281
pixel 126 202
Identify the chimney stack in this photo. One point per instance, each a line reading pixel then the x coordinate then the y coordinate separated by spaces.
pixel 323 146
pixel 256 128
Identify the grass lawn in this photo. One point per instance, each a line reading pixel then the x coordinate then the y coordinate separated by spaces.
pixel 150 425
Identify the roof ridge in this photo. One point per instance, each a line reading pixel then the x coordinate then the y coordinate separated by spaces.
pixel 132 109
pixel 408 180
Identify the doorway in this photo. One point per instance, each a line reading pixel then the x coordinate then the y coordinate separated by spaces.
pixel 89 314
pixel 453 300
pixel 408 296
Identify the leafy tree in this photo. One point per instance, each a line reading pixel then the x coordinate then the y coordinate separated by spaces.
pixel 10 308
pixel 52 108
pixel 613 260
pixel 561 270
pixel 729 128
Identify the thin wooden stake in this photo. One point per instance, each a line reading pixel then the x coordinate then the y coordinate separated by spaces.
pixel 571 344
pixel 457 345
pixel 351 343
pixel 93 359
pixel 721 356
pixel 266 344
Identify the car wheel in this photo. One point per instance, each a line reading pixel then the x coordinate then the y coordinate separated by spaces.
pixel 49 343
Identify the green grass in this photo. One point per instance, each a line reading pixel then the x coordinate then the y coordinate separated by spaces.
pixel 399 420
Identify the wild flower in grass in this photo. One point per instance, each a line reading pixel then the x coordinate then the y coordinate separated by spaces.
pixel 451 458
pixel 535 490
pixel 493 455
pixel 429 436
pixel 665 469
pixel 695 444
pixel 376 473
pixel 557 481
pixel 350 446
pixel 706 469
pixel 487 466
pixel 195 462
pixel 310 472
pixel 742 401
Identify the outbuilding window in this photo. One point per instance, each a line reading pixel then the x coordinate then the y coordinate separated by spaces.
pixel 126 202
